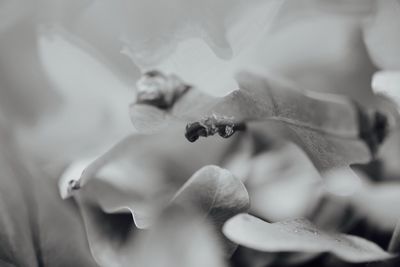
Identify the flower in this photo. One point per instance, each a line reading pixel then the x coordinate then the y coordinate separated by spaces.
pixel 154 196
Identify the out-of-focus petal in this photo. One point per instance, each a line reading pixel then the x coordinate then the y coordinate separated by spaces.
pixel 382 36
pixel 300 236
pixel 12 12
pixel 83 23
pixel 131 36
pixel 37 227
pixel 17 243
pixel 60 229
pixel 92 113
pixel 26 93
pixel 215 193
pixel 388 84
pixel 297 47
pixel 346 196
pixel 181 238
pixel 211 73
pixel 283 184
pixel 377 203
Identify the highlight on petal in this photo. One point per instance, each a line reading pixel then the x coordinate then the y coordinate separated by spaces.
pixel 388 84
pixel 343 182
pixel 299 236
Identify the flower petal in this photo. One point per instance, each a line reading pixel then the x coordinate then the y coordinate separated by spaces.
pixel 217 194
pixel 332 130
pixel 275 175
pixel 181 238
pixel 17 243
pixel 388 84
pixel 381 35
pixel 300 236
pixel 26 92
pixel 136 180
pixel 211 192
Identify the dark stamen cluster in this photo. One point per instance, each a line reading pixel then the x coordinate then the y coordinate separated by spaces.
pixel 211 126
pixel 373 129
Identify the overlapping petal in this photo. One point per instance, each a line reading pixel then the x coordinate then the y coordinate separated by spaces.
pixel 332 130
pixel 300 235
pixel 119 185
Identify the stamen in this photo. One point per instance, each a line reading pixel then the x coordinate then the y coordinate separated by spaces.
pixel 224 126
pixel 373 129
pixel 159 90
